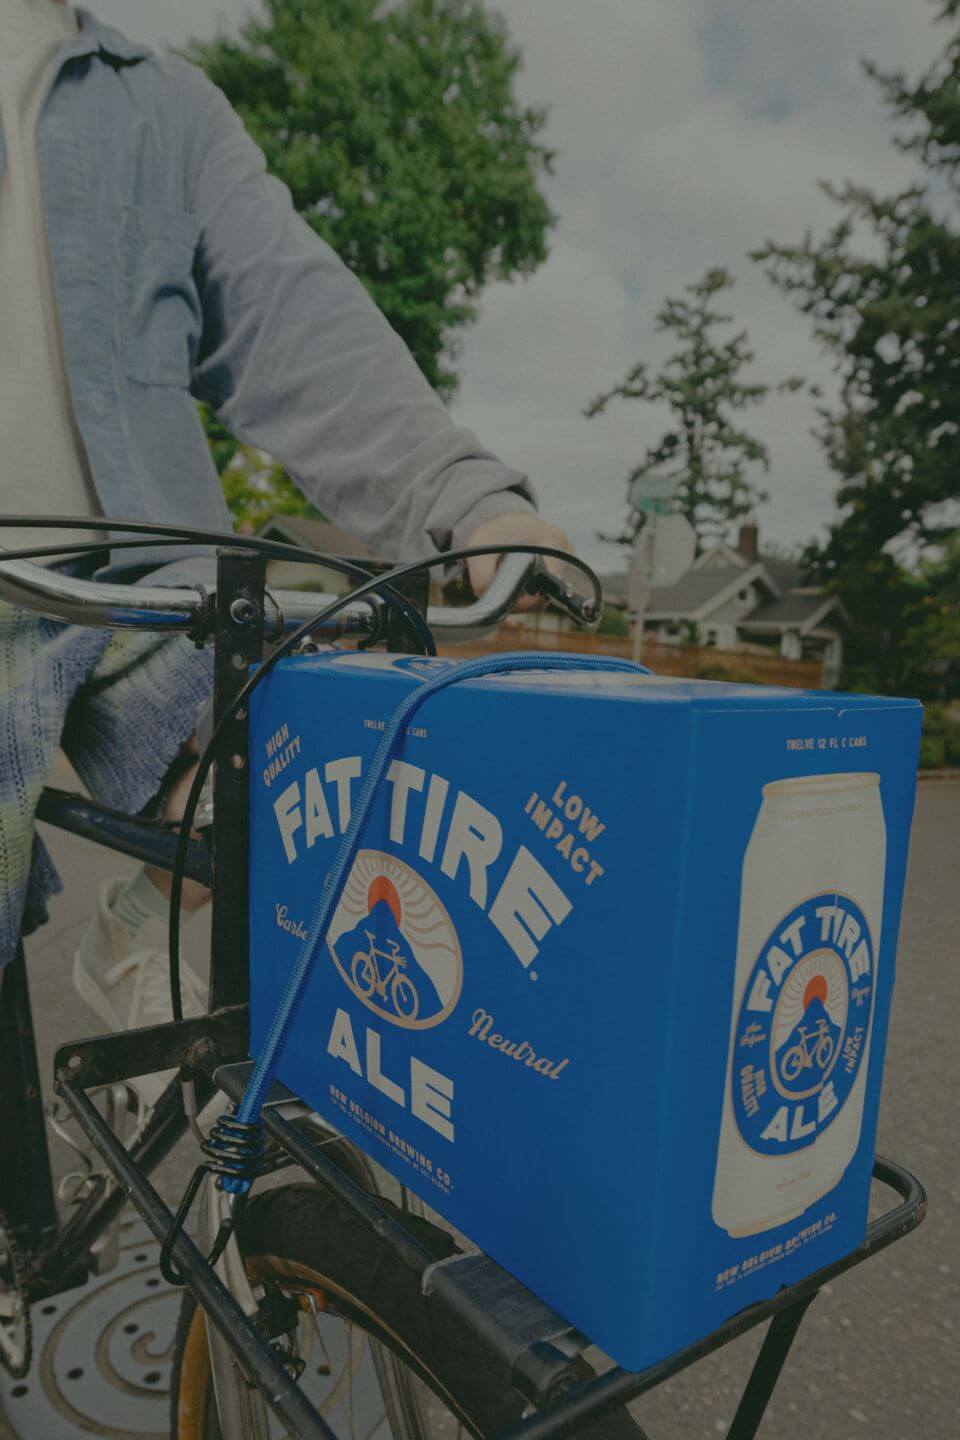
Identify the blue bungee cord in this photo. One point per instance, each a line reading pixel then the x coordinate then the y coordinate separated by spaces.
pixel 235 1145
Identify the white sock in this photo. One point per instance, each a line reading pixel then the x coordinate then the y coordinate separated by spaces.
pixel 137 902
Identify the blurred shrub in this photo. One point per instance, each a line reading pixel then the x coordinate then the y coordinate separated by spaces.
pixel 614 622
pixel 940 743
pixel 732 674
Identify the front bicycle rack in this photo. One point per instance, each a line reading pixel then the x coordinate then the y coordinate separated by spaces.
pixel 471 1295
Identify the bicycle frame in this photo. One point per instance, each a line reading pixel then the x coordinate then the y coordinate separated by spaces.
pixel 537 1347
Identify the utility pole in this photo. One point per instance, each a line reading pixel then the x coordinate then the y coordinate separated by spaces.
pixel 663 550
pixel 638 585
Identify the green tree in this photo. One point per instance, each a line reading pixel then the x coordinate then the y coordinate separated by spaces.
pixel 906 632
pixel 613 622
pixel 256 488
pixel 705 449
pixel 398 131
pixel 934 634
pixel 882 290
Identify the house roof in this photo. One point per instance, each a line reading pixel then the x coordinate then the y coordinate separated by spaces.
pixel 694 590
pixel 699 593
pixel 724 554
pixel 803 609
pixel 786 574
pixel 314 534
pixel 688 595
pixel 721 572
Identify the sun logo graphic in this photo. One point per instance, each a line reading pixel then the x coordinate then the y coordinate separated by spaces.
pixel 394 943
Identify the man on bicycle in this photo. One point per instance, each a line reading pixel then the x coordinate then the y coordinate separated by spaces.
pixel 147 260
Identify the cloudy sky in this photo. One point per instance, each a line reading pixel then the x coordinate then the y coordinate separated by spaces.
pixel 687 132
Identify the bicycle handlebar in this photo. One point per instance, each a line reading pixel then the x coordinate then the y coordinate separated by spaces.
pixel 178 608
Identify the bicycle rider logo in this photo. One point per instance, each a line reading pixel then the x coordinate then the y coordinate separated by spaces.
pixel 803 1025
pixel 394 943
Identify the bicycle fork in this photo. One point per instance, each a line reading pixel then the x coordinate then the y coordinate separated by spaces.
pixel 241 1407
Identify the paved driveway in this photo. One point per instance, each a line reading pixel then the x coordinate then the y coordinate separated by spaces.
pixel 878 1355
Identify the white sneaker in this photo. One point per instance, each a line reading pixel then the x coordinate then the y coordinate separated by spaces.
pixel 129 988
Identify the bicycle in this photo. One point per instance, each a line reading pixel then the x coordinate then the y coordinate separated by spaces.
pixel 369 981
pixel 453 1343
pixel 814 1048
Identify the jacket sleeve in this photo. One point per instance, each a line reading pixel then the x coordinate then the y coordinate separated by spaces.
pixel 297 360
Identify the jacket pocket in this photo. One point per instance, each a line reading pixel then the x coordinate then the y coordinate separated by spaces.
pixel 161 318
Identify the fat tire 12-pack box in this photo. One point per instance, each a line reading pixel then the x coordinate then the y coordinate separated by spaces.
pixel 609 981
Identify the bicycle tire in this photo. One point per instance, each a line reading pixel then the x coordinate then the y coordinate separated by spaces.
pixel 401 985
pixel 302 1234
pixel 362 965
pixel 791 1067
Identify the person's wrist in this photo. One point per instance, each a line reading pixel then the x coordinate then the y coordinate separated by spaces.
pixel 512 527
pixel 487 508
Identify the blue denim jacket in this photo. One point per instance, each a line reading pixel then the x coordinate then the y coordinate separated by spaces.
pixel 182 270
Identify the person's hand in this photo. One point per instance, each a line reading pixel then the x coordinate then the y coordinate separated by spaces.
pixel 513 527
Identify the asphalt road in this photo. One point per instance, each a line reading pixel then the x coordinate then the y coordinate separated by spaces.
pixel 878 1354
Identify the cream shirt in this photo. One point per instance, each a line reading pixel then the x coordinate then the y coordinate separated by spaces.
pixel 43 464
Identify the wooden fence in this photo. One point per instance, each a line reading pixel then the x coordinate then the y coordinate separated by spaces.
pixel 700 662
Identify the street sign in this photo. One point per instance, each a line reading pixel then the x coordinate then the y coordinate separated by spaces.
pixel 653 494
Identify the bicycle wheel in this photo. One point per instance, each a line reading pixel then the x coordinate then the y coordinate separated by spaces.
pixel 792 1064
pixel 406 1001
pixel 364 973
pixel 371 1367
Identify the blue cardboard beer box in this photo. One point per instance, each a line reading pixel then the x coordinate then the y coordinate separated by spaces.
pixel 609 981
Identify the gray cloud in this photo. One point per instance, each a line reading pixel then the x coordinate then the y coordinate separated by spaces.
pixel 725 42
pixel 687 132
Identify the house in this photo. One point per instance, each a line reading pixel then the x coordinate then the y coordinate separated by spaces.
pixel 740 599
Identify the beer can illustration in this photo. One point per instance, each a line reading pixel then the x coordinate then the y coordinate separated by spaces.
pixel 811 905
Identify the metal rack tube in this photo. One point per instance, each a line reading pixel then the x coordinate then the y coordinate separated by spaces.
pixel 617 1388
pixel 767 1370
pixel 258 1361
pixel 231 1080
pixel 69 1251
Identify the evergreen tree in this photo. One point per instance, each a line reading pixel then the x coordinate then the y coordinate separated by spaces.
pixel 882 289
pixel 705 450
